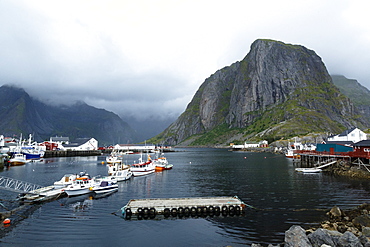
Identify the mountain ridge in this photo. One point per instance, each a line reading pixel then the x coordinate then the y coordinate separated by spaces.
pixel 277 91
pixel 21 113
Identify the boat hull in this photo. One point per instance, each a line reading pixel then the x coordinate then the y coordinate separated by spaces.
pixel 142 169
pixel 17 163
pixel 308 170
pixel 122 175
pixel 139 173
pixel 106 189
pixel 77 191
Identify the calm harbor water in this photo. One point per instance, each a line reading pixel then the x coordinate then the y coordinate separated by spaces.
pixel 263 180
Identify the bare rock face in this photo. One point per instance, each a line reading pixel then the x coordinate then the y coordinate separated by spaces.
pixel 275 82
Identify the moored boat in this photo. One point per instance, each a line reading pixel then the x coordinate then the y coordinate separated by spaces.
pixel 105 186
pixel 68 178
pixel 32 153
pixel 308 170
pixel 18 159
pixel 113 159
pixel 79 186
pixel 161 163
pixel 143 168
pixel 119 171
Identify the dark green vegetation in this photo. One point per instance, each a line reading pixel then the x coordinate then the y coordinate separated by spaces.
pixel 21 114
pixel 277 91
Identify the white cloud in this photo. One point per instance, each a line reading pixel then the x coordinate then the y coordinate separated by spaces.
pixel 140 57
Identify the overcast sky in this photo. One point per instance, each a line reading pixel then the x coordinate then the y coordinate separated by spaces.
pixel 147 57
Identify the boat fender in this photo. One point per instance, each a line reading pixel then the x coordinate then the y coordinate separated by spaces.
pixel 231 208
pixel 237 210
pixel 224 209
pixel 211 209
pixel 6 221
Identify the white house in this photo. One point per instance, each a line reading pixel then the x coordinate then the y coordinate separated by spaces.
pixel 263 143
pixel 354 135
pixel 83 144
pixel 60 139
pixel 135 148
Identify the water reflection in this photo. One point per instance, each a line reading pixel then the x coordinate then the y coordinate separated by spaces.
pixel 265 181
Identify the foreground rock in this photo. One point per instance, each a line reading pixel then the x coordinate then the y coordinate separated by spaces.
pixel 343 228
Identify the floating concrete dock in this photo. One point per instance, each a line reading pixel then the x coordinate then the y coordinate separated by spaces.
pixel 179 207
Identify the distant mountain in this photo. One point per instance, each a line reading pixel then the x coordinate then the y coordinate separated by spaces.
pixel 359 95
pixel 277 91
pixel 149 127
pixel 19 113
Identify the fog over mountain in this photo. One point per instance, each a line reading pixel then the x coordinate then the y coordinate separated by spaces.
pixel 145 60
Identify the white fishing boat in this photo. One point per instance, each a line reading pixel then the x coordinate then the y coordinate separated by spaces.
pixel 143 167
pixel 68 178
pixel 113 159
pixel 161 163
pixel 308 170
pixel 105 186
pixel 18 159
pixel 119 171
pixel 79 186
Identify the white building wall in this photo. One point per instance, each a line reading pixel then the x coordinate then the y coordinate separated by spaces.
pixel 355 136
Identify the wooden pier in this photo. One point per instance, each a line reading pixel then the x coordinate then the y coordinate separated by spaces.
pixel 179 207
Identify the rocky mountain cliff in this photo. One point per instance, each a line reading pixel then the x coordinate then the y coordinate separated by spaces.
pixel 21 114
pixel 359 95
pixel 277 91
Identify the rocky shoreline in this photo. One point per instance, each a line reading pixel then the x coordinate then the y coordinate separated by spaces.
pixel 343 228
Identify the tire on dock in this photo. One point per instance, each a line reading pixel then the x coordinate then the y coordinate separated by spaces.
pixel 187 212
pixel 174 212
pixel 128 213
pixel 139 211
pixel 152 211
pixel 166 212
pixel 180 212
pixel 193 211
pixel 217 210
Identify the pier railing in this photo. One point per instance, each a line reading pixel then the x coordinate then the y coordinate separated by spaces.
pixel 17 185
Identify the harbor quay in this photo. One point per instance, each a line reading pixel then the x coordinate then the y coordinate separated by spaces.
pixel 71 153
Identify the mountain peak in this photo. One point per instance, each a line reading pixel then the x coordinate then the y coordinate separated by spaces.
pixel 277 90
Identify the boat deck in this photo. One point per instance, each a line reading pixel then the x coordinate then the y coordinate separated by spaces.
pixel 185 206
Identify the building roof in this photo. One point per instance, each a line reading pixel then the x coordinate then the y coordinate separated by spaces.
pixel 59 138
pixel 346 132
pixel 78 142
pixel 350 143
pixel 363 143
